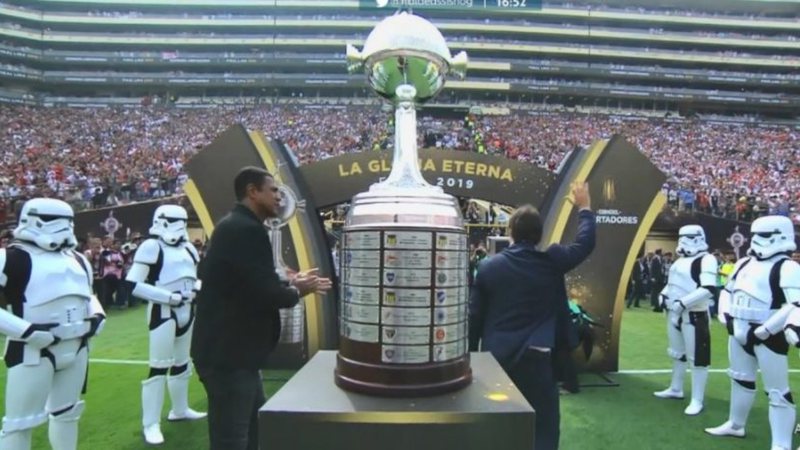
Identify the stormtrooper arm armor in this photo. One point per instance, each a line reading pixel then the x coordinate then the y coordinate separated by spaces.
pixel 777 321
pixel 792 329
pixel 708 282
pixel 663 298
pixel 789 283
pixel 97 316
pixel 697 295
pixel 141 289
pixel 13 326
pixel 724 306
pixel 146 255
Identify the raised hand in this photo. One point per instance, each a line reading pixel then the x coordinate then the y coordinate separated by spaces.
pixel 309 282
pixel 580 195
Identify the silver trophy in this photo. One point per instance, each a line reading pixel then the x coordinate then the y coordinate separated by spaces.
pixel 292 319
pixel 404 260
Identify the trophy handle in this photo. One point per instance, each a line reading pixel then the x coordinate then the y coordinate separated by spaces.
pixel 288 206
pixel 355 59
pixel 458 65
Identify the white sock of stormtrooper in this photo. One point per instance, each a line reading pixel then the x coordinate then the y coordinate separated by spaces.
pixel 781 419
pixel 19 439
pixel 152 403
pixel 741 402
pixel 63 435
pixel 63 428
pixel 678 373
pixel 699 378
pixel 179 396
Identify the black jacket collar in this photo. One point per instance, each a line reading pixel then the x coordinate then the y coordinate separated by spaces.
pixel 245 211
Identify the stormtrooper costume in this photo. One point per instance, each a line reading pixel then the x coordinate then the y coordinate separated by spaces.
pixel 755 305
pixel 164 272
pixel 51 318
pixel 690 288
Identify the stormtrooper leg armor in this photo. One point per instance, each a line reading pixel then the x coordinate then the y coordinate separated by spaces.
pixel 743 390
pixel 162 335
pixel 64 403
pixel 169 352
pixel 775 374
pixel 28 403
pixel 676 351
pixel 25 404
pixel 181 372
pixel 697 340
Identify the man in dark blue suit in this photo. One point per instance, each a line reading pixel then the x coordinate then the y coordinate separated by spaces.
pixel 518 308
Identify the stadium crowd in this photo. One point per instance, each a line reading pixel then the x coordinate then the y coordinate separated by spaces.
pixel 101 156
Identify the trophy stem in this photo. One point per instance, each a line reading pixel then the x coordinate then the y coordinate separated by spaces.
pixel 292 319
pixel 405 163
pixel 277 252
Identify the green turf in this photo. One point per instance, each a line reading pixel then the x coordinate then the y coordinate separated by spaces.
pixel 629 417
pixel 625 417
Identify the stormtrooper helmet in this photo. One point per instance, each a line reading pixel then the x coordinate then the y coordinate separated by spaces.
pixel 48 223
pixel 771 235
pixel 169 224
pixel 691 240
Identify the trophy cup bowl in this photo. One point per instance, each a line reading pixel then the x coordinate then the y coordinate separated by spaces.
pixel 404 293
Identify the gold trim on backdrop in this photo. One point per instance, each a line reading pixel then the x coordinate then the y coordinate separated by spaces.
pixel 565 206
pixel 641 234
pixel 298 233
pixel 199 206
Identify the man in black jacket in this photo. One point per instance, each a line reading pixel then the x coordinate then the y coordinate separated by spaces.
pixel 657 280
pixel 237 323
pixel 518 308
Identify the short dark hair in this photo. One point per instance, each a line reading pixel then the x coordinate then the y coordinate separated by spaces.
pixel 248 175
pixel 526 225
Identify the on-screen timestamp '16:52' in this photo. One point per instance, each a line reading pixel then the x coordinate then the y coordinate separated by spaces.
pixel 510 3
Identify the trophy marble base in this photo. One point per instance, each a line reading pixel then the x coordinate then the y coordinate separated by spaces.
pixel 310 412
pixel 416 381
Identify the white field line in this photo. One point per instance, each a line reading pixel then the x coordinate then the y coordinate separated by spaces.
pixel 663 371
pixel 133 362
pixel 129 362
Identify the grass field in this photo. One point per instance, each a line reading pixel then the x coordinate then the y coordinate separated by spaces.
pixel 619 418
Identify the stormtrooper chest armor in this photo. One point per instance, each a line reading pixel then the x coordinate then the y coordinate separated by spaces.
pixel 752 296
pixel 680 281
pixel 55 275
pixel 178 268
pixel 58 291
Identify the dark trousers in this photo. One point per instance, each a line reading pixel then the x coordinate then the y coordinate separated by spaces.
pixel 654 291
pixel 636 294
pixel 109 289
pixel 565 369
pixel 234 397
pixel 533 376
pixel 714 308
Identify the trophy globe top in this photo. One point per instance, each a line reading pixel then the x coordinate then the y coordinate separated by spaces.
pixel 405 49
